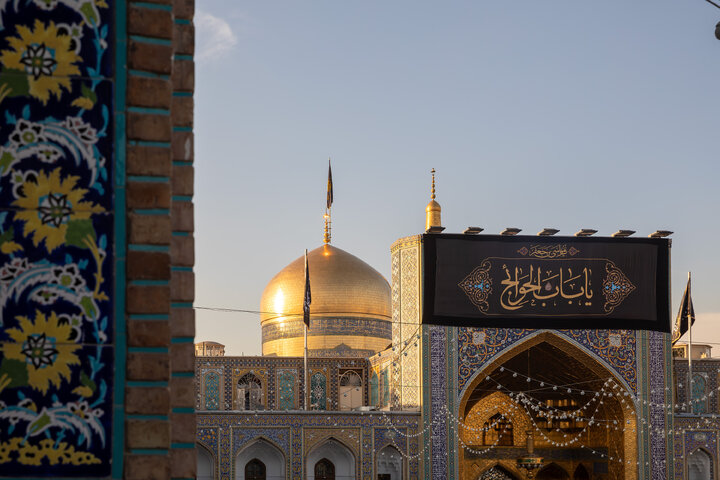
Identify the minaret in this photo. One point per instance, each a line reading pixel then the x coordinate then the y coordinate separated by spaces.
pixel 432 211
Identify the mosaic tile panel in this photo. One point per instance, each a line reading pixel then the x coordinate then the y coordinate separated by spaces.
pixel 318 391
pixel 286 387
pixel 699 387
pixel 56 238
pixel 407 351
pixel 439 440
pixel 242 436
pixel 657 372
pixel 209 438
pixel 212 391
pixel 388 436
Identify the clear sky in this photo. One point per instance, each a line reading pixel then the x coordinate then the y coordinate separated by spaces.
pixel 567 114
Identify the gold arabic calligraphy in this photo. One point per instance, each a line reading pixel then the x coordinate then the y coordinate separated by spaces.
pixel 529 285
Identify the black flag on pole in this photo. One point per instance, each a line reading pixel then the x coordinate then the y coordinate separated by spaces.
pixel 329 187
pixel 686 312
pixel 308 299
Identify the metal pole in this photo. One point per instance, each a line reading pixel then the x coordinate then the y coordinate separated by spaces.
pixel 690 379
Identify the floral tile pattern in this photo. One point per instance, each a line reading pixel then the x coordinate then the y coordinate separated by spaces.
pixel 56 238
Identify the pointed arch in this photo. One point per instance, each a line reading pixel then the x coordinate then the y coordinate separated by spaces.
pixel 530 341
pixel 205 463
pixel 568 363
pixel 552 471
pixel 266 451
pixel 335 451
pixel 581 473
pixel 389 462
pixel 700 465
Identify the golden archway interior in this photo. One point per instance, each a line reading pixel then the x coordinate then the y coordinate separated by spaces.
pixel 570 429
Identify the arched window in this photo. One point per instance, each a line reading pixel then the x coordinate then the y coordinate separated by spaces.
pixel 699 465
pixel 255 470
pixel 249 393
pixel 351 394
pixel 324 470
pixel 498 431
pixel 698 391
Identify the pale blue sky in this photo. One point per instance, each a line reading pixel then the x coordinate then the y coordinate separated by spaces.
pixel 564 114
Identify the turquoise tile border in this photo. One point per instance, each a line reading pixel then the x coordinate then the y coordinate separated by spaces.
pixel 118 427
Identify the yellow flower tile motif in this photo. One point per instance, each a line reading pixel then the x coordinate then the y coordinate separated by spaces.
pixel 48 204
pixel 28 453
pixel 45 56
pixel 44 347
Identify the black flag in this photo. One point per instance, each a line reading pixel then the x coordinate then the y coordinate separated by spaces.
pixel 308 298
pixel 686 311
pixel 329 187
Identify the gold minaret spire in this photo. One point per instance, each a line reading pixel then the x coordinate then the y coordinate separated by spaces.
pixel 328 206
pixel 432 211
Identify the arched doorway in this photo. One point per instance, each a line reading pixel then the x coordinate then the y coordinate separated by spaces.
pixel 330 456
pixel 552 472
pixel 700 465
pixel 324 470
pixel 389 464
pixel 581 473
pixel 255 469
pixel 205 464
pixel 260 460
pixel 546 385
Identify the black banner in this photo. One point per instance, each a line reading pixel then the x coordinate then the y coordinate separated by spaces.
pixel 546 282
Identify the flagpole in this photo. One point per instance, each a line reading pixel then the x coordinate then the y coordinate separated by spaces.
pixel 690 379
pixel 305 360
pixel 307 382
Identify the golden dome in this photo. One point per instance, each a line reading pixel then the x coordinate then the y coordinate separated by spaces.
pixel 350 306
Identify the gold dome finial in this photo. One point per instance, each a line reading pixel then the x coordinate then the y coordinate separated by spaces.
pixel 432 189
pixel 432 211
pixel 327 235
pixel 328 206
